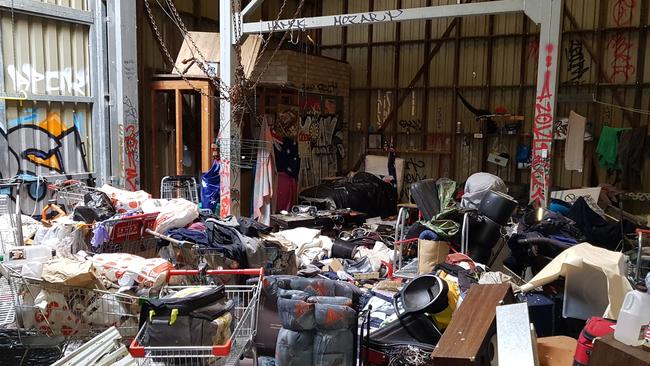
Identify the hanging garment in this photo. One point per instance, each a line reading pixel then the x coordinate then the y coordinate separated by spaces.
pixel 264 171
pixel 287 190
pixel 575 142
pixel 607 148
pixel 210 187
pixel 630 156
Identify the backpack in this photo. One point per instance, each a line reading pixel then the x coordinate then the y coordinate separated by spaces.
pixel 595 327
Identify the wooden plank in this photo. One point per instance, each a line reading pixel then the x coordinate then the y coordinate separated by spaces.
pixel 609 351
pixel 473 324
pixel 179 131
pixel 154 171
pixel 207 134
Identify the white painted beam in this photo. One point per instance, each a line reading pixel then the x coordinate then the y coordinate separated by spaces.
pixel 397 15
pixel 254 4
pixel 228 131
pixel 549 15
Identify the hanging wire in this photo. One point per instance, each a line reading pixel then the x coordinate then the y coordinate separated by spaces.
pixel 629 109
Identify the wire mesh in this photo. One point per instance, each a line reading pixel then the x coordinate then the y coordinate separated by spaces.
pixel 9 224
pixel 71 193
pixel 179 187
pixel 244 153
pixel 54 311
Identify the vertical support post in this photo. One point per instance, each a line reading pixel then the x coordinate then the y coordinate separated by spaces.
pixel 102 163
pixel 548 13
pixel 178 109
pixel 228 129
pixel 123 76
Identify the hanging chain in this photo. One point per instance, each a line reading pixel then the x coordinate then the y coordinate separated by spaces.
pixel 201 60
pixel 277 47
pixel 171 61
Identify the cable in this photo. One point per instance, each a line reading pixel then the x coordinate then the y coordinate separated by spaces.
pixel 629 109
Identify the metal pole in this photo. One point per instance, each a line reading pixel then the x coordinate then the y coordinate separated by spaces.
pixel 122 70
pixel 101 147
pixel 548 13
pixel 229 133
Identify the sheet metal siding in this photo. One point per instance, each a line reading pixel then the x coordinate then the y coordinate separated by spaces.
pixel 616 42
pixel 45 57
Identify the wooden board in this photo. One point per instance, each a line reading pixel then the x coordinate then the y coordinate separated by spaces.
pixel 209 45
pixel 465 341
pixel 609 351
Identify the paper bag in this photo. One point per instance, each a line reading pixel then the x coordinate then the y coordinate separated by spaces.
pixel 430 253
pixel 71 273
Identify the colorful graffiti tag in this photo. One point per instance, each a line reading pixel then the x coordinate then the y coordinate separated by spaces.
pixel 32 147
pixel 542 136
pixel 39 148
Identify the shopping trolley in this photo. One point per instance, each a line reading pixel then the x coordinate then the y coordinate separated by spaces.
pixel 130 234
pixel 45 314
pixel 180 186
pixel 11 233
pixel 246 298
pixel 70 193
pixel 184 254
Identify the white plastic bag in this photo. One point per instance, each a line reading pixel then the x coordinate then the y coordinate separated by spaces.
pixel 125 200
pixel 176 213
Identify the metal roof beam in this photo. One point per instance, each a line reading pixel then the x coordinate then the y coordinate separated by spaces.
pixel 45 10
pixel 383 16
pixel 254 4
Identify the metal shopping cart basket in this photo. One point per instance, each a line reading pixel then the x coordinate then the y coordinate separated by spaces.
pixel 45 314
pixel 180 186
pixel 246 298
pixel 71 193
pixel 130 234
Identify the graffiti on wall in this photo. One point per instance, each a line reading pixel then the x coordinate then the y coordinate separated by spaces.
pixel 131 146
pixel 67 81
pixel 31 146
pixel 575 55
pixel 414 171
pixel 542 136
pixel 621 43
pixel 320 139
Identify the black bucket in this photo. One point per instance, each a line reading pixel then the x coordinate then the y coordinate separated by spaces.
pixel 343 249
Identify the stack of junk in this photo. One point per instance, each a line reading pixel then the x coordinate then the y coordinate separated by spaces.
pixel 463 274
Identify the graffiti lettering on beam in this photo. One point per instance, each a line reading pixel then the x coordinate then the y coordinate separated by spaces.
pixel 542 136
pixel 364 18
pixel 576 61
pixel 131 144
pixel 329 87
pixel 27 77
pixel 286 24
pixel 621 63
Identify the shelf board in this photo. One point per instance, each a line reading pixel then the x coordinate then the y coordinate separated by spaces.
pixel 414 152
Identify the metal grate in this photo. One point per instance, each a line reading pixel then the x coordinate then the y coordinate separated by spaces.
pixel 244 153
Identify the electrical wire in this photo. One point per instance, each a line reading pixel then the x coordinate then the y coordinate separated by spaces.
pixel 629 109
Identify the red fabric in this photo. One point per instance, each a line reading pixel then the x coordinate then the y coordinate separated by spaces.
pixel 287 191
pixel 595 327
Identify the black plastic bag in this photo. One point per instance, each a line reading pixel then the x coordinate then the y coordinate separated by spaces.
pixel 100 203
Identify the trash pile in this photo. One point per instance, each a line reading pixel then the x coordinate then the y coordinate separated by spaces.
pixel 457 265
